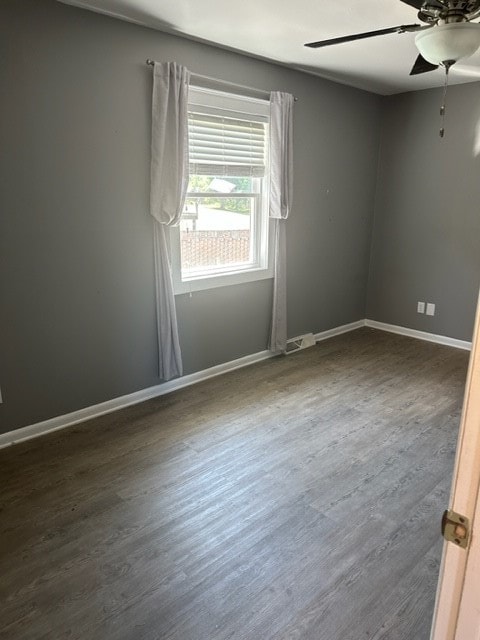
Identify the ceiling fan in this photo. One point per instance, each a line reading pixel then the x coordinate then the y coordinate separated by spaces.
pixel 447 35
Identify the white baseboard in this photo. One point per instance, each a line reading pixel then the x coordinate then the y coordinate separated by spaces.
pixel 336 331
pixel 70 419
pixel 421 335
pixel 328 333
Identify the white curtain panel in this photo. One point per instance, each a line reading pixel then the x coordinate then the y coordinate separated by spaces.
pixel 169 181
pixel 281 192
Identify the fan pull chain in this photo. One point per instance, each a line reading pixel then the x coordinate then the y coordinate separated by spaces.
pixel 447 64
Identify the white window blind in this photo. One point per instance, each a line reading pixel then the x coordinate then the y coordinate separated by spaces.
pixel 223 146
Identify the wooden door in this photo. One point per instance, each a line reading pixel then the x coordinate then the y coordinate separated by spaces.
pixel 457 611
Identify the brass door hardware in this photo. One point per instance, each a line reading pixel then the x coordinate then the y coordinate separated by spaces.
pixel 456 528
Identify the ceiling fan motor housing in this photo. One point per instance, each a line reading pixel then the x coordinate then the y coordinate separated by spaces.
pixel 448 42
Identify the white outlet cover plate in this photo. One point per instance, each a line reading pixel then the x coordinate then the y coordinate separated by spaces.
pixel 420 307
pixel 430 309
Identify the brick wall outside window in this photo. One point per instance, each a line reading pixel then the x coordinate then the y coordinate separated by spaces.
pixel 207 248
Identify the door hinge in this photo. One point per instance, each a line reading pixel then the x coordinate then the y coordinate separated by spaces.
pixel 456 528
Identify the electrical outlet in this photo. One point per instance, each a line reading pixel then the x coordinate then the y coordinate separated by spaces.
pixel 430 309
pixel 420 307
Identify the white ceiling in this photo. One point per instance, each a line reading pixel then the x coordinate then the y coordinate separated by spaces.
pixel 277 30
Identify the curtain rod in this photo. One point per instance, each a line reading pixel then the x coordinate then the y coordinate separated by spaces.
pixel 234 85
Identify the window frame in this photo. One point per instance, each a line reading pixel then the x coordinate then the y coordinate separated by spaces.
pixel 220 102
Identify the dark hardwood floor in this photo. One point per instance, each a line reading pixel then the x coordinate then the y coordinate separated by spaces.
pixel 299 498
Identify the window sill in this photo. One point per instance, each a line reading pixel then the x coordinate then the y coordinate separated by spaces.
pixel 223 280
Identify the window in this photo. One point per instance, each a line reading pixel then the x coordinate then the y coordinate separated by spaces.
pixel 223 235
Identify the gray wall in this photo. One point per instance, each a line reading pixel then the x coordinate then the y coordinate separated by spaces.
pixel 426 240
pixel 76 278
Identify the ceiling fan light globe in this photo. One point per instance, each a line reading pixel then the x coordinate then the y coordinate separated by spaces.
pixel 448 42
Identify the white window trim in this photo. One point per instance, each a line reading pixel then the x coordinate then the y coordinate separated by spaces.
pixel 238 275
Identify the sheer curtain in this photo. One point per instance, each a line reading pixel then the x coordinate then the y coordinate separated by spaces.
pixel 169 181
pixel 281 191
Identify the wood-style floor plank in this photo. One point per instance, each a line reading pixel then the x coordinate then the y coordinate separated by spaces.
pixel 298 498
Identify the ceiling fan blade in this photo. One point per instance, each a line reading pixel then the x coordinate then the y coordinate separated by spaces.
pixel 422 66
pixel 418 4
pixel 404 28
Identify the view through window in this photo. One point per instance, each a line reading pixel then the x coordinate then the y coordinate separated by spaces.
pixel 224 225
pixel 218 223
